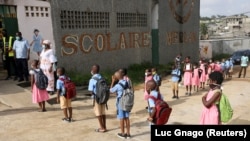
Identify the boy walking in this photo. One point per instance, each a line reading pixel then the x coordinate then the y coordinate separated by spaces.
pixel 99 109
pixel 157 78
pixel 175 79
pixel 65 103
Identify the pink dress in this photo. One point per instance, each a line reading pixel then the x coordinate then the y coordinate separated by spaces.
pixel 187 75
pixel 210 115
pixel 217 67
pixel 147 78
pixel 195 78
pixel 37 94
pixel 203 74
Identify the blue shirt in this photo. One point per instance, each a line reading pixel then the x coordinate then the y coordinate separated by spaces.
pixel 156 78
pixel 118 89
pixel 21 49
pixel 175 75
pixel 151 101
pixel 92 83
pixel 60 85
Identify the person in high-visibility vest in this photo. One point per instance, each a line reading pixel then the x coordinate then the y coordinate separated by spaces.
pixel 8 55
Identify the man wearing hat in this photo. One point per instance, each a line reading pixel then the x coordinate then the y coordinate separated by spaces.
pixel 22 54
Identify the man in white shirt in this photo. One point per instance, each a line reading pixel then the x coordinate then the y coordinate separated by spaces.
pixel 243 63
pixel 22 54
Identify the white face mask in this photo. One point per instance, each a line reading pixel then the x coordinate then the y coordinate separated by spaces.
pixel 92 73
pixel 43 46
pixel 146 74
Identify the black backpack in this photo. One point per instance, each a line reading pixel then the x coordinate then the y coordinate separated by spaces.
pixel 41 80
pixel 102 91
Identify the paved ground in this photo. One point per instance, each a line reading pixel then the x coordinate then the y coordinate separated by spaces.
pixel 20 120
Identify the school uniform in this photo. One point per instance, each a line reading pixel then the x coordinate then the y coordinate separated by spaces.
pixel 118 89
pixel 188 74
pixel 64 102
pixel 99 109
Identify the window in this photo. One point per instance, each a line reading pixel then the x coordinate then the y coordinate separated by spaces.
pixel 131 20
pixel 84 20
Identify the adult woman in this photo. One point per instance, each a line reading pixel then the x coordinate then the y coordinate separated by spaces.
pixel 37 41
pixel 47 61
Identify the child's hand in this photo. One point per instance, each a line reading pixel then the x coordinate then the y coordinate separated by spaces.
pixel 150 119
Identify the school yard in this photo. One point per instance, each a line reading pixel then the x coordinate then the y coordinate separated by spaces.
pixel 20 120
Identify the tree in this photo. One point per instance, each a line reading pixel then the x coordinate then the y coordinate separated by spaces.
pixel 203 30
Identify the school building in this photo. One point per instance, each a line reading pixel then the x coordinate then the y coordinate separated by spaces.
pixel 111 33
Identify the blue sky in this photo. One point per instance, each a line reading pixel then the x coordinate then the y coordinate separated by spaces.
pixel 224 7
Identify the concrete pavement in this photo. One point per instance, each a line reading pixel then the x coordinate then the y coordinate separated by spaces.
pixel 20 120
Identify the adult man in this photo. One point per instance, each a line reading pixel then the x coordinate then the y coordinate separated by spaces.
pixel 7 44
pixel 243 63
pixel 99 109
pixel 22 54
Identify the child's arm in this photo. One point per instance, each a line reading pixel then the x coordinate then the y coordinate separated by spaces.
pixel 211 101
pixel 32 81
pixel 152 114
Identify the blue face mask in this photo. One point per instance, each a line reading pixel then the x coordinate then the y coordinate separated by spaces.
pixel 17 38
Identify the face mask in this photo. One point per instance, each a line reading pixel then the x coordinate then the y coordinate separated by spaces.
pixel 17 38
pixel 146 74
pixel 195 67
pixel 57 75
pixel 92 73
pixel 213 85
pixel 43 46
pixel 154 73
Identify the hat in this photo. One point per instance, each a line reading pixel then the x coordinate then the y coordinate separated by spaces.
pixel 47 42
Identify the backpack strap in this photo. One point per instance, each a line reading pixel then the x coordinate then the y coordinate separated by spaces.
pixel 123 86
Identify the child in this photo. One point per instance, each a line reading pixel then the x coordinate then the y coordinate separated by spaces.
pixel 64 102
pixel 196 77
pixel 210 112
pixel 148 76
pixel 203 74
pixel 175 79
pixel 38 96
pixel 188 70
pixel 123 116
pixel 151 87
pixel 156 78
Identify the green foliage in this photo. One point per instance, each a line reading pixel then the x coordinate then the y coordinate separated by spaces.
pixel 135 72
pixel 203 28
pixel 219 57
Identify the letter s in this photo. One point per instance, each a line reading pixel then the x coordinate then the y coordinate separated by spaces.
pixel 69 41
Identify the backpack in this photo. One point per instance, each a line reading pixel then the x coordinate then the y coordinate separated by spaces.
pixel 226 111
pixel 127 100
pixel 70 88
pixel 162 110
pixel 41 80
pixel 102 91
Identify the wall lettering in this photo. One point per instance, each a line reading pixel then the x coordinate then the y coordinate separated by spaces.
pixel 180 37
pixel 102 42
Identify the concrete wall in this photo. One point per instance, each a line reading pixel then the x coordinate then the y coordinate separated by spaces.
pixel 112 45
pixel 227 46
pixel 178 29
pixel 27 24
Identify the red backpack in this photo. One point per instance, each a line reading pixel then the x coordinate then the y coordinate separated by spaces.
pixel 70 88
pixel 162 112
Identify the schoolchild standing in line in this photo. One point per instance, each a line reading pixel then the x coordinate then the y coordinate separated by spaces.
pixel 38 96
pixel 188 70
pixel 196 77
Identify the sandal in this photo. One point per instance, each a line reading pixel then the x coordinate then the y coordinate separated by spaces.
pixel 100 130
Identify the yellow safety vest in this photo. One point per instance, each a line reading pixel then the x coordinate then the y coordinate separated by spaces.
pixel 11 53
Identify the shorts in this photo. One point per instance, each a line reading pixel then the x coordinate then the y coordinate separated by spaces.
pixel 64 102
pixel 175 86
pixel 122 114
pixel 99 109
